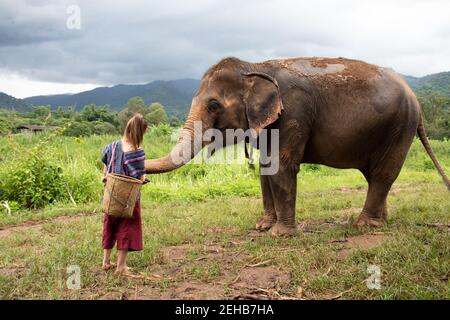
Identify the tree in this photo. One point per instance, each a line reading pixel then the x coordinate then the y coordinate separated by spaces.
pixel 134 105
pixel 41 111
pixel 156 114
pixel 65 112
pixel 89 113
pixel 436 110
pixel 175 122
pixel 100 128
pixel 77 129
pixel 92 113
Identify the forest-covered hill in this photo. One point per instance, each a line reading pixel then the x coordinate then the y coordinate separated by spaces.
pixel 436 82
pixel 174 95
pixel 9 102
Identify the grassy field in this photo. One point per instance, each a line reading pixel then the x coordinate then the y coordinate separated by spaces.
pixel 200 242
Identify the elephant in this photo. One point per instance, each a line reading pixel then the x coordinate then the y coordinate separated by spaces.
pixel 337 112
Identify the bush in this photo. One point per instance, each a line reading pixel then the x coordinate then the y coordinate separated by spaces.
pixel 38 176
pixel 84 185
pixel 77 129
pixel 33 182
pixel 13 205
pixel 100 128
pixel 161 130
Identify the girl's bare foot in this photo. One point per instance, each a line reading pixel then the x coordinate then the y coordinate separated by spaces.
pixel 127 273
pixel 108 265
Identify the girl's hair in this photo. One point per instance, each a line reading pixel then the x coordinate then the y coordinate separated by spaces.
pixel 135 129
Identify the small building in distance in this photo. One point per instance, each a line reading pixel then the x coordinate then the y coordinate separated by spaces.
pixel 34 128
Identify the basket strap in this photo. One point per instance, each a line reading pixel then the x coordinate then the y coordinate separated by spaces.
pixel 113 154
pixel 124 166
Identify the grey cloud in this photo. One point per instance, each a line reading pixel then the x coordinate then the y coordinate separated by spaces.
pixel 27 23
pixel 140 41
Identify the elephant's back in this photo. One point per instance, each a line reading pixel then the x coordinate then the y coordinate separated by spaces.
pixel 352 84
pixel 331 72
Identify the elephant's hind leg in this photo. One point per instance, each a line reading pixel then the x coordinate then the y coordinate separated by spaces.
pixel 380 177
pixel 374 213
pixel 269 217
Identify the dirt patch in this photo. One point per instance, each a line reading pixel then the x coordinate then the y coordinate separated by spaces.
pixel 37 225
pixel 4 232
pixel 262 277
pixel 366 241
pixel 166 271
pixel 112 296
pixel 180 253
pixel 361 242
pixel 192 290
pixel 254 234
pixel 248 280
pixel 177 259
pixel 8 231
pixel 195 290
pixel 318 226
pixel 12 270
pixel 236 277
pixel 176 253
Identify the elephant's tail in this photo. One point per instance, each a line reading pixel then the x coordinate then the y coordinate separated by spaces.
pixel 423 138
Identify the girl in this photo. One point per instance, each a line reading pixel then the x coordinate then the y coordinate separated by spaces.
pixel 127 158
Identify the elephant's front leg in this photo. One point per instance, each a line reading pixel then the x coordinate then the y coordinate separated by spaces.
pixel 284 191
pixel 269 217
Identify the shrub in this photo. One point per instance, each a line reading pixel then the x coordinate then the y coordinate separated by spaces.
pixel 34 177
pixel 84 185
pixel 161 130
pixel 13 206
pixel 100 128
pixel 33 181
pixel 77 129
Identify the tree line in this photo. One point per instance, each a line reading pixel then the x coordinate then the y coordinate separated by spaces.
pixel 99 120
pixel 92 119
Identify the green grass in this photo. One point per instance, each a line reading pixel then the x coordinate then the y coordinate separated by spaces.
pixel 201 207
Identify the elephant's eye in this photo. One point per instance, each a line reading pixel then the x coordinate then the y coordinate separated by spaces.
pixel 214 105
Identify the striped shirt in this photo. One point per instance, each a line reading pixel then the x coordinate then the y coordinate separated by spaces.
pixel 131 163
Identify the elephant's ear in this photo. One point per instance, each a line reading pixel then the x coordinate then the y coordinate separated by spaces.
pixel 262 100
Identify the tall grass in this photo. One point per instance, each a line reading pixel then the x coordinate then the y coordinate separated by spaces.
pixel 80 161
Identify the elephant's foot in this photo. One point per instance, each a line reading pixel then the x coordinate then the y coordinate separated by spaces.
pixel 281 229
pixel 266 222
pixel 365 220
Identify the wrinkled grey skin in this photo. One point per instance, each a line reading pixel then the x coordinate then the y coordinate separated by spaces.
pixel 337 112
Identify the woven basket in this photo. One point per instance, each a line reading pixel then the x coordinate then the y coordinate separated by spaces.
pixel 120 195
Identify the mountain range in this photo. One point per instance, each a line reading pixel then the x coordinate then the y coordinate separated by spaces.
pixel 437 81
pixel 9 102
pixel 175 95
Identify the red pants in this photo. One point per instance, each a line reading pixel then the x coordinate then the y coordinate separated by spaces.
pixel 126 231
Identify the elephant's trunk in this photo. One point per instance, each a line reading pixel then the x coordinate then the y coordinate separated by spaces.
pixel 189 144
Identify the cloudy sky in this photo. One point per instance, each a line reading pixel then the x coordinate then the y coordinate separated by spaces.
pixel 46 49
